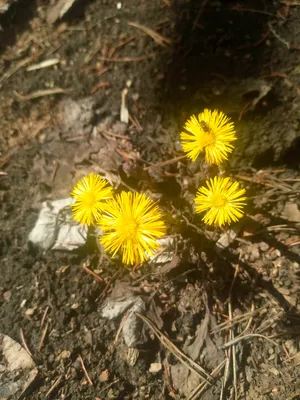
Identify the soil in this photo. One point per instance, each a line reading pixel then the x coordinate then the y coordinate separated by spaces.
pixel 241 58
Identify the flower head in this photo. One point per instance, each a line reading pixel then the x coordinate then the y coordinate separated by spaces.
pixel 131 224
pixel 212 132
pixel 222 200
pixel 90 195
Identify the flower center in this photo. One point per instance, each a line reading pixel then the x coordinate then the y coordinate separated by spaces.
pixel 129 228
pixel 89 199
pixel 207 138
pixel 219 200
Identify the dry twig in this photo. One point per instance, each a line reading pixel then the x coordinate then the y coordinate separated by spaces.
pixel 44 316
pixel 55 384
pixel 163 163
pixel 24 342
pixel 238 319
pixel 41 93
pixel 125 59
pixel 14 69
pixel 85 371
pixel 159 39
pixel 43 336
pixel 124 319
pixel 93 274
pixel 196 393
pixel 246 337
pixel 188 362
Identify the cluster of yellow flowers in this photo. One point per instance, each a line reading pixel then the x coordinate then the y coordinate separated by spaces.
pixel 132 222
pixel 213 133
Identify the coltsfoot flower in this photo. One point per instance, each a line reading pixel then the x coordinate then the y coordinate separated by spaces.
pixel 212 132
pixel 222 200
pixel 131 223
pixel 90 195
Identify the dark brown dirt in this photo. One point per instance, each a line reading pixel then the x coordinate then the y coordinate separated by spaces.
pixel 222 55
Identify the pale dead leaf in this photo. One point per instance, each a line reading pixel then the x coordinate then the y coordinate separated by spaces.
pixel 17 368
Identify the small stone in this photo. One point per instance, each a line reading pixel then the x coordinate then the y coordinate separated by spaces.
pixel 155 367
pixel 264 246
pixel 104 376
pixel 7 295
pixel 29 312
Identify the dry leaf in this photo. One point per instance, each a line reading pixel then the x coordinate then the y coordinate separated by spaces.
pixel 17 368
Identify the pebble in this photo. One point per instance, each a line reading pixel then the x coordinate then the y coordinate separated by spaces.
pixel 155 367
pixel 264 246
pixel 274 254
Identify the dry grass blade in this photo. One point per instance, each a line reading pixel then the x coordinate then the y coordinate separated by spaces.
pixel 55 384
pixel 202 386
pixel 188 362
pixel 43 64
pixel 125 59
pixel 159 39
pixel 85 371
pixel 238 319
pixel 41 93
pixel 24 342
pixel 43 337
pixel 14 69
pixel 246 337
pixel 163 163
pixel 231 335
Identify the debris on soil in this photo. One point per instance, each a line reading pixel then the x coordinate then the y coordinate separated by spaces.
pixel 291 212
pixel 56 229
pixel 124 301
pixel 17 368
pixel 5 4
pixel 100 330
pixel 58 10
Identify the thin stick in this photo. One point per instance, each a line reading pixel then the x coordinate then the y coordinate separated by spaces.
pixel 41 93
pixel 55 384
pixel 188 362
pixel 55 168
pixel 44 316
pixel 43 337
pixel 202 386
pixel 14 69
pixel 237 319
pixel 93 274
pixel 24 342
pixel 159 39
pixel 285 42
pixel 249 322
pixel 135 122
pixel 124 59
pixel 163 163
pixel 85 371
pixel 233 348
pixel 116 135
pixel 165 364
pixel 246 337
pixel 108 386
pixel 199 14
pixel 124 319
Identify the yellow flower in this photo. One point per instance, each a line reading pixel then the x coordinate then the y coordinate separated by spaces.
pixel 222 200
pixel 131 224
pixel 211 132
pixel 90 194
